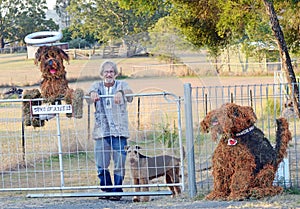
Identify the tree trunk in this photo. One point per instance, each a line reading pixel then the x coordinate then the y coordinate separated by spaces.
pixel 284 55
pixel 1 42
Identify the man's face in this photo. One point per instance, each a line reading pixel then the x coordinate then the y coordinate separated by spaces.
pixel 109 74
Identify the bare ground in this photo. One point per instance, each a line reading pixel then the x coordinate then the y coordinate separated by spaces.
pixel 20 201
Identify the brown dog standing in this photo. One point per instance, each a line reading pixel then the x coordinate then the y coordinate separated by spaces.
pixel 144 168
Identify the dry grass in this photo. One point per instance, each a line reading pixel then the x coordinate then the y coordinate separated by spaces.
pixel 17 70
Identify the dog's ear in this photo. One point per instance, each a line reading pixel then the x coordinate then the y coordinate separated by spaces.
pixel 204 126
pixel 126 147
pixel 252 115
pixel 210 120
pixel 64 55
pixel 38 54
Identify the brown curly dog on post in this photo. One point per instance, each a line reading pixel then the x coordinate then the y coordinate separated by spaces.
pixel 244 162
pixel 54 85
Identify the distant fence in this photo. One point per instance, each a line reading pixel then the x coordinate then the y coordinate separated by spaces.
pixel 11 50
pixel 206 69
pixel 32 161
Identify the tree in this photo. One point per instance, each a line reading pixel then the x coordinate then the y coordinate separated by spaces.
pixel 218 23
pixel 21 17
pixel 107 20
pixel 288 11
pixel 284 54
pixel 166 41
pixel 61 10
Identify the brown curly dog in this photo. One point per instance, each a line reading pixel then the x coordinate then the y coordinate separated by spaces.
pixel 244 162
pixel 54 84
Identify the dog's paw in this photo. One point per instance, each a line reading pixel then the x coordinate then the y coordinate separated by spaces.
pixel 136 199
pixel 145 198
pixel 216 195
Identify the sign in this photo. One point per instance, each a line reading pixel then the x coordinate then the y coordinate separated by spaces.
pixel 51 109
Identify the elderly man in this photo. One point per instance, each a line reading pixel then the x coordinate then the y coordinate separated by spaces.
pixel 111 126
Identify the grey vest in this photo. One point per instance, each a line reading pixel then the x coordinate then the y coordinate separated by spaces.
pixel 110 119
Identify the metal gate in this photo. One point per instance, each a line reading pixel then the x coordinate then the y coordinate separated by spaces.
pixel 60 155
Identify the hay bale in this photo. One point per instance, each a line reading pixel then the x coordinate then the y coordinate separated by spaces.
pixel 29 119
pixel 77 102
pixel 75 98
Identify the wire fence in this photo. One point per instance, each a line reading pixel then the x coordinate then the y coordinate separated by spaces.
pixel 60 154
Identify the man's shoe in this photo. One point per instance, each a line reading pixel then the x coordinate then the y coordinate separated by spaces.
pixel 104 197
pixel 115 198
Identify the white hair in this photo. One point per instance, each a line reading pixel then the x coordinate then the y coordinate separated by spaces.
pixel 110 63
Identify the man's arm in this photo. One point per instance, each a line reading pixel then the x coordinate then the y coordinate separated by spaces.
pixel 128 98
pixel 121 94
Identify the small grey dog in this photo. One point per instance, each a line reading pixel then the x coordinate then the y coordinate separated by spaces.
pixel 144 168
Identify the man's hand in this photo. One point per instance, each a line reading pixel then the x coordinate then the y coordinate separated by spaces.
pixel 118 97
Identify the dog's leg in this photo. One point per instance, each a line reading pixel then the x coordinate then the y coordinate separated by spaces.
pixel 242 178
pixel 145 189
pixel 263 183
pixel 169 180
pixel 177 180
pixel 136 189
pixel 222 169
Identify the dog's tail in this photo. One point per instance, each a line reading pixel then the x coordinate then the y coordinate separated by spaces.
pixel 283 136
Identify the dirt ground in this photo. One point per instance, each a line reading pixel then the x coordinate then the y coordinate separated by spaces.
pixel 21 201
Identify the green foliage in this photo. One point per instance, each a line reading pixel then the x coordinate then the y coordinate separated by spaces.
pixel 19 18
pixel 79 43
pixel 168 136
pixel 272 107
pixel 55 158
pixel 293 190
pixel 77 40
pixel 217 24
pixel 151 7
pixel 288 11
pixel 165 40
pixel 67 35
pixel 107 20
pixel 214 25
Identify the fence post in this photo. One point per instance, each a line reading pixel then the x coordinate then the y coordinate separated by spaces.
pixel 61 167
pixel 190 140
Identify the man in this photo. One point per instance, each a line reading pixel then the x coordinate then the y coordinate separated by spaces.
pixel 111 126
